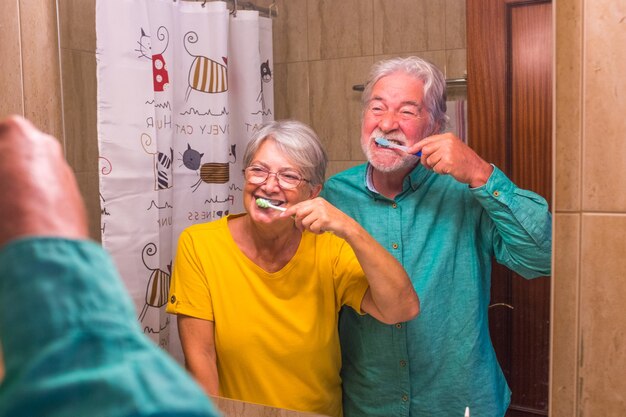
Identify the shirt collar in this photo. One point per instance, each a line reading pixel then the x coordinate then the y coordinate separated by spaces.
pixel 414 180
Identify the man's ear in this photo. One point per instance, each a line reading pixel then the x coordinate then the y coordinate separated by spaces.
pixel 315 191
pixel 435 130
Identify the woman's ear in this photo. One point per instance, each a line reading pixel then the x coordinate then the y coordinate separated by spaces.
pixel 315 191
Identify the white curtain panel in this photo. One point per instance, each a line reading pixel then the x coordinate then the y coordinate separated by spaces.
pixel 182 85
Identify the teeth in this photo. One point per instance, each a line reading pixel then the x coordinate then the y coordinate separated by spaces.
pixel 274 202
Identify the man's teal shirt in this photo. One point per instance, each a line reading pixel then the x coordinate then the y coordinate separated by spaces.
pixel 445 234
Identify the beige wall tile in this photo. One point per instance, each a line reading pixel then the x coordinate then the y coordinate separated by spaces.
pixel 77 20
pixel 568 152
pixel 88 184
pixel 604 100
pixel 80 101
pixel 402 26
pixel 602 310
pixel 456 63
pixel 339 29
pixel 11 62
pixel 291 91
pixel 335 167
pixel 40 59
pixel 455 24
pixel 565 335
pixel 335 107
pixel 290 31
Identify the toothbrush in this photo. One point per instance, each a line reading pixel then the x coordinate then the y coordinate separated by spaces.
pixel 388 144
pixel 467 412
pixel 263 203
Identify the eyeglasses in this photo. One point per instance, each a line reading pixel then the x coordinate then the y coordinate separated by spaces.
pixel 287 179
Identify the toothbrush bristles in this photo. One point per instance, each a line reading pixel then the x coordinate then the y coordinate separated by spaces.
pixel 388 144
pixel 263 203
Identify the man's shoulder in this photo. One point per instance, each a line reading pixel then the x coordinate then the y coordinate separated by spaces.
pixel 353 175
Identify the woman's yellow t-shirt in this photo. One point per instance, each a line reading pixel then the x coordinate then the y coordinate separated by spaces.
pixel 276 333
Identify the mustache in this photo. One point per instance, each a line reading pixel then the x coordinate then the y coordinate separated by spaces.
pixel 396 136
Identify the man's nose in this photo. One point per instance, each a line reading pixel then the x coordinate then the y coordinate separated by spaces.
pixel 389 121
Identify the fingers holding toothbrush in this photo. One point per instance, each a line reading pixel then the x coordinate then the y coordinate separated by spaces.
pixel 446 154
pixel 318 216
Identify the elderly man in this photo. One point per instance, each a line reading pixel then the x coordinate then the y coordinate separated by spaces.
pixel 444 215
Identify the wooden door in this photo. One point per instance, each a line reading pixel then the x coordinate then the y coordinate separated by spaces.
pixel 509 50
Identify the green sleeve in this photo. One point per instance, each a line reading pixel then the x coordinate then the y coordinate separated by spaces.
pixel 71 341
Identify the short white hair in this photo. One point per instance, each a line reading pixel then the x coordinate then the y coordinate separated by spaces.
pixel 434 86
pixel 298 142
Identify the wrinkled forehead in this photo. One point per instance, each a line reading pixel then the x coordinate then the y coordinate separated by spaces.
pixel 398 88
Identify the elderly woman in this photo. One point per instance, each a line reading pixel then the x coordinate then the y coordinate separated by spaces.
pixel 258 294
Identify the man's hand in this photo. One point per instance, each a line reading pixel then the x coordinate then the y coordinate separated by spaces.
pixel 448 155
pixel 40 196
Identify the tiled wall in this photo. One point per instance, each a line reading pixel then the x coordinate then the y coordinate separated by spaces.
pixel 324 47
pixel 589 280
pixel 62 103
pixel 29 68
pixel 78 57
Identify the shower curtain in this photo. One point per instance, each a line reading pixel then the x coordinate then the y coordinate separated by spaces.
pixel 182 85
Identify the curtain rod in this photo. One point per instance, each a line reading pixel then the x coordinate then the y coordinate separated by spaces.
pixel 271 11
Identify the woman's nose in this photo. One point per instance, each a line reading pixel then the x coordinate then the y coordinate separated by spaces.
pixel 272 181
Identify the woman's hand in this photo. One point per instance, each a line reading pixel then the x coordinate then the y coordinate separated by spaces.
pixel 391 297
pixel 318 216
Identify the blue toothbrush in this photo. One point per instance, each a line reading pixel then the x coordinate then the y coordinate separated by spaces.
pixel 387 144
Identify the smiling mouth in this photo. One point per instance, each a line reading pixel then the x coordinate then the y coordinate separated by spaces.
pixel 387 147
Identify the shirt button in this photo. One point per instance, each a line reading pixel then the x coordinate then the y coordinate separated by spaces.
pixel 405 397
pixel 403 363
pixel 173 299
pixel 496 193
pixel 394 245
pixel 398 325
pixel 394 205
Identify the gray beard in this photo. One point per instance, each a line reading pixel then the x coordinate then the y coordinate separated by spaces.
pixel 406 162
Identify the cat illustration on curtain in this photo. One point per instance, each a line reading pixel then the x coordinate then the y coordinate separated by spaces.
pixel 158 286
pixel 210 172
pixel 160 75
pixel 162 164
pixel 205 74
pixel 266 77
